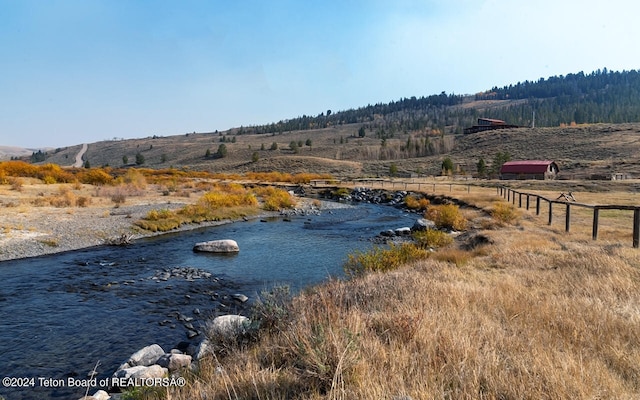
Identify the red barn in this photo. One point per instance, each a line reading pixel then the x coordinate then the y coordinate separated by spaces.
pixel 532 169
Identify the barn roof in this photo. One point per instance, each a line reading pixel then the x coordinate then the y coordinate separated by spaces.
pixel 526 167
pixel 493 121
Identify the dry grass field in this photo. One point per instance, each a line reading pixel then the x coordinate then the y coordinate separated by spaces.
pixel 535 313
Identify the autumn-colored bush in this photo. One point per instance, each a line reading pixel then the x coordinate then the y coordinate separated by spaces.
pixel 432 238
pixel 95 176
pixel 160 220
pixel 504 213
pixel 414 203
pixel 228 195
pixel 308 177
pixel 53 173
pixel 381 259
pixel 135 179
pixel 447 216
pixel 274 199
pixel 49 180
pixel 224 201
pixel 269 176
pixel 19 169
pixel 284 177
pixel 155 215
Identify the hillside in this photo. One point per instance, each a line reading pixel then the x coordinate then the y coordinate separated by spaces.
pixel 582 121
pixel 581 151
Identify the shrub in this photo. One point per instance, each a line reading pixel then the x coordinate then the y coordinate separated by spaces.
pixel 275 199
pixel 139 159
pixel 16 184
pixel 118 198
pixel 341 192
pixel 414 203
pixel 447 216
pixel 504 213
pixel 307 177
pixel 228 195
pixel 155 215
pixel 222 151
pixel 83 201
pixel 382 260
pixel 49 180
pixel 135 179
pixel 432 238
pixel 19 169
pixel 95 176
pixel 52 173
pixel 160 220
pixel 65 198
pixel 272 309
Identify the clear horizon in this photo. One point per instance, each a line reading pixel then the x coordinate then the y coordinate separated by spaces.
pixel 77 71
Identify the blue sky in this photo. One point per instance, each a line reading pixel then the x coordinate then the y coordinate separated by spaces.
pixel 81 71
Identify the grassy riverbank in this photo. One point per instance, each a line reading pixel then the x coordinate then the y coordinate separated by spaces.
pixel 535 313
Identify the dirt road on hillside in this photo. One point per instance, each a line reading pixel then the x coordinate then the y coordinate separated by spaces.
pixel 78 163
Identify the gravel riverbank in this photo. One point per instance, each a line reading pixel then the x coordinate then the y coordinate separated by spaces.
pixel 38 231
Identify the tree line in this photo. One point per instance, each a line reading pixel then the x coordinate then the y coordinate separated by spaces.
pixel 602 96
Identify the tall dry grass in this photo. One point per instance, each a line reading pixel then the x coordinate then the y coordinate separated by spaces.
pixel 536 314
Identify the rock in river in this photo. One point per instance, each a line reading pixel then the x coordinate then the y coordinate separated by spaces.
pixel 218 246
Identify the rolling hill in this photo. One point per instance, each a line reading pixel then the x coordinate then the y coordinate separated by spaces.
pixel 591 131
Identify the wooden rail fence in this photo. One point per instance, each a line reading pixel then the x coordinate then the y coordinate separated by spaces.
pixel 510 195
pixel 507 193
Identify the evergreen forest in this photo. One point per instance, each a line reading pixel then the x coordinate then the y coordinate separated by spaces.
pixel 599 97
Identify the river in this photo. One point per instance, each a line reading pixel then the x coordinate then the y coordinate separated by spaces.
pixel 62 314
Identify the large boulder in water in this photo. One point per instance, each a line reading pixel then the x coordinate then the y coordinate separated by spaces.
pixel 217 246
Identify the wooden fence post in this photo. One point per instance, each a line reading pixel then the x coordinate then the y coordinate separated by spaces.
pixel 508 194
pixel 519 200
pixel 594 232
pixel 567 219
pixel 537 205
pixel 527 201
pixel 636 228
pixel 550 213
